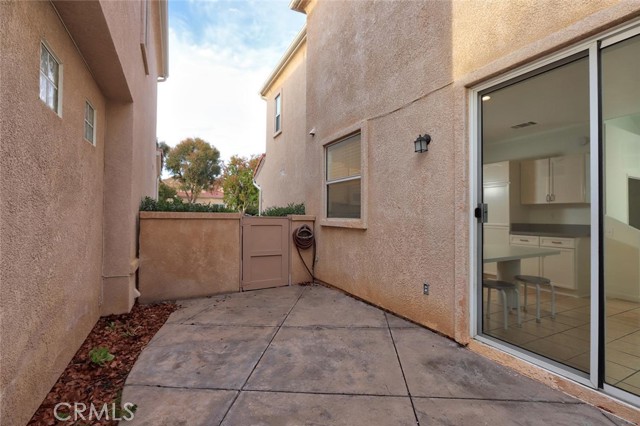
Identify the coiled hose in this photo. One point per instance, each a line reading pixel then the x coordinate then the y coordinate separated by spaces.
pixel 304 239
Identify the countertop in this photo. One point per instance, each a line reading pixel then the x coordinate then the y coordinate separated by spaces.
pixel 551 230
pixel 503 253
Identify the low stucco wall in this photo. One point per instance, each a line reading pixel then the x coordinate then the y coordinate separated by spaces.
pixel 185 255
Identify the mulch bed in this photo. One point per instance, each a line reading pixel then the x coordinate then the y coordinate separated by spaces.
pixel 84 381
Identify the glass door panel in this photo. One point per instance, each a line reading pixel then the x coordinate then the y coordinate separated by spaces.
pixel 621 240
pixel 535 157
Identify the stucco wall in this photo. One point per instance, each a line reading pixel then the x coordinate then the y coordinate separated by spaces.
pixel 68 209
pixel 403 69
pixel 51 210
pixel 185 255
pixel 281 173
pixel 131 169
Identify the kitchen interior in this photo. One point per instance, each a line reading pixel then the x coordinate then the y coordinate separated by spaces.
pixel 536 184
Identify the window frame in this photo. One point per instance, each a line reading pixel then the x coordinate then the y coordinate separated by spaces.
pixel 57 85
pixel 93 126
pixel 353 223
pixel 277 116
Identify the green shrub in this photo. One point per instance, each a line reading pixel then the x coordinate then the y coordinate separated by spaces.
pixel 148 204
pixel 290 208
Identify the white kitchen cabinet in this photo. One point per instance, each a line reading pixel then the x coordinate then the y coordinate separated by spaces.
pixel 495 172
pixel 531 265
pixel 557 180
pixel 568 179
pixel 534 181
pixel 570 269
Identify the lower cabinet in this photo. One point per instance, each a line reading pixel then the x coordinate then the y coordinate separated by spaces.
pixel 531 265
pixel 569 269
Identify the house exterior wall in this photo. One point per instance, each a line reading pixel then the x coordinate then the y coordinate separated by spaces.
pixel 368 66
pixel 56 214
pixel 280 175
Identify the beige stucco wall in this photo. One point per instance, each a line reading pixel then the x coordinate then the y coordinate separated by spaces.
pixel 51 210
pixel 56 241
pixel 281 173
pixel 367 63
pixel 131 169
pixel 185 255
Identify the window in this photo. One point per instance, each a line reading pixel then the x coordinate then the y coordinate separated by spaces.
pixel 89 123
pixel 344 178
pixel 278 124
pixel 49 78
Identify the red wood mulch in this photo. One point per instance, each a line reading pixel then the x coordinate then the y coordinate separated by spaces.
pixel 85 382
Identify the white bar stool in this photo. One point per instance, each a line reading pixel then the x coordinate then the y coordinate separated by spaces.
pixel 502 287
pixel 538 281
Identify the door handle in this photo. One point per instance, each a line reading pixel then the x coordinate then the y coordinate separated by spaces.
pixel 482 212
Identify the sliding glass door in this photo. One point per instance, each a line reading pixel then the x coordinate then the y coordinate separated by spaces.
pixel 621 240
pixel 558 267
pixel 536 262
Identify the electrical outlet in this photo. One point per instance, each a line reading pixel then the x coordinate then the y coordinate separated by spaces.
pixel 425 288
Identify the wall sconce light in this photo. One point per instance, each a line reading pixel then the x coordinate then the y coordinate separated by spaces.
pixel 420 144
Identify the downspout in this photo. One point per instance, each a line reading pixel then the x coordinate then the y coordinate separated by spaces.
pixel 259 197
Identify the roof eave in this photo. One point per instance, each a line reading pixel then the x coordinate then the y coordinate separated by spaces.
pixel 288 55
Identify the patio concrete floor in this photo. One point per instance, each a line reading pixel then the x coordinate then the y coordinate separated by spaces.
pixel 315 356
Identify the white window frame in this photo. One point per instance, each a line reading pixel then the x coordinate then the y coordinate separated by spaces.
pixel 357 223
pixel 277 115
pixel 86 123
pixel 57 85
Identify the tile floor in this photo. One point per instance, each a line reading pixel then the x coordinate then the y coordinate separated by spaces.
pixel 565 338
pixel 315 356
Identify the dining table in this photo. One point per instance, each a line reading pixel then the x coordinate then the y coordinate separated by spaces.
pixel 508 257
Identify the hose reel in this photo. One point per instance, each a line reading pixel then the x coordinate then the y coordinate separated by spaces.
pixel 304 239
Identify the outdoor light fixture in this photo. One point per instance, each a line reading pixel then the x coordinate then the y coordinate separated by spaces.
pixel 421 143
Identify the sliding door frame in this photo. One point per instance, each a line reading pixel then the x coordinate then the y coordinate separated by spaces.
pixel 592 48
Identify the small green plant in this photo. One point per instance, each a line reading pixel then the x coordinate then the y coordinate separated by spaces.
pixel 290 208
pixel 112 325
pixel 100 356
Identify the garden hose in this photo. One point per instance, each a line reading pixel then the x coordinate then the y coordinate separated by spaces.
pixel 304 239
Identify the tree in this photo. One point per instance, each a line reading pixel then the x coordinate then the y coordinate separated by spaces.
pixel 165 191
pixel 165 151
pixel 237 183
pixel 195 165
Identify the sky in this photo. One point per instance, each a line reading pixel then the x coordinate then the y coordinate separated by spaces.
pixel 221 52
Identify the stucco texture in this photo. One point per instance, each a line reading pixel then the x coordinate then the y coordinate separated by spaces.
pixel 186 255
pixel 281 172
pixel 68 209
pixel 51 210
pixel 404 69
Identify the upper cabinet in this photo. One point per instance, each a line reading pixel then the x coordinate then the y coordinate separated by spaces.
pixel 554 180
pixel 495 172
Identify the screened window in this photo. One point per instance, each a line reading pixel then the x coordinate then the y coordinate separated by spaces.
pixel 89 123
pixel 344 180
pixel 278 124
pixel 49 78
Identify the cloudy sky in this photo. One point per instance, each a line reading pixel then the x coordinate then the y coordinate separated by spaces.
pixel 220 54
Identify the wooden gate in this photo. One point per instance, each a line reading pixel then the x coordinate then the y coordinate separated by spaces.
pixel 265 252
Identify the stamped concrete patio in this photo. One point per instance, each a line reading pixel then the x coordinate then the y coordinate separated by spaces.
pixel 315 356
